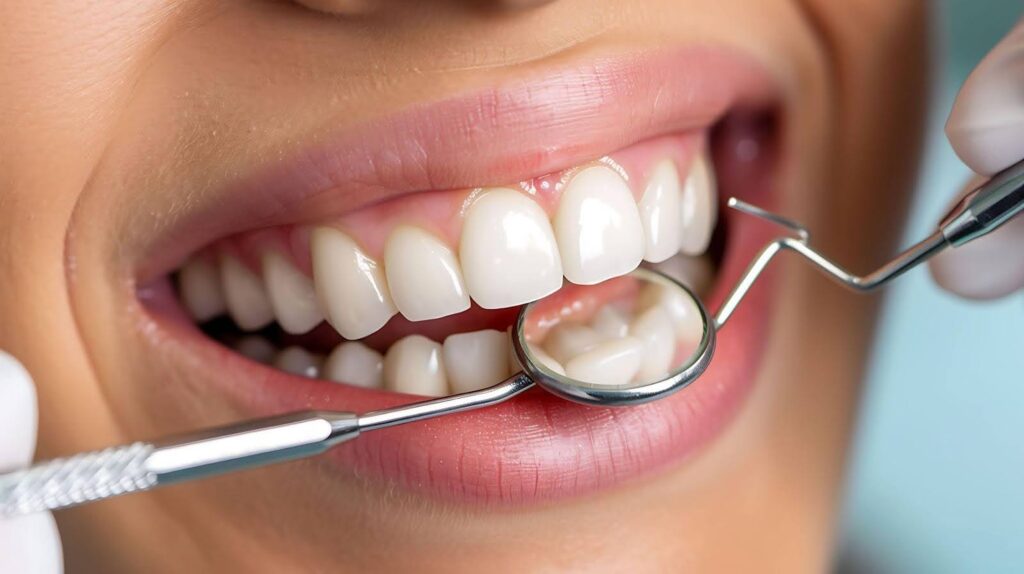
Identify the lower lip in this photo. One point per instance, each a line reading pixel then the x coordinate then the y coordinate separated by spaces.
pixel 533 448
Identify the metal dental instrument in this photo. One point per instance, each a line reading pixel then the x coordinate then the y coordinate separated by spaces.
pixel 94 476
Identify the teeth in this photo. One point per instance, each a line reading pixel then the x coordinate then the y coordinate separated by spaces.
pixel 298 361
pixel 245 295
pixel 698 208
pixel 356 364
pixel 546 360
pixel 659 211
pixel 476 360
pixel 680 309
pixel 655 330
pixel 508 251
pixel 201 293
pixel 291 294
pixel 414 365
pixel 256 348
pixel 349 284
pixel 568 340
pixel 424 277
pixel 598 227
pixel 613 362
pixel 610 323
pixel 697 273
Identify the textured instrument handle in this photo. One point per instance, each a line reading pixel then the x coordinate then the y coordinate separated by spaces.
pixel 82 478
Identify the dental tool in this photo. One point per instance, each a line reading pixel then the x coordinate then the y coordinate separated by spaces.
pixel 94 476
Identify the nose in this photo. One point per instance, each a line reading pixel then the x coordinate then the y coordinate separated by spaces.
pixel 358 7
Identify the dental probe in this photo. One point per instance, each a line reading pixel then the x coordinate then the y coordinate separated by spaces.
pixel 94 476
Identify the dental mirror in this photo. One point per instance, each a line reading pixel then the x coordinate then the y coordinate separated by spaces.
pixel 628 340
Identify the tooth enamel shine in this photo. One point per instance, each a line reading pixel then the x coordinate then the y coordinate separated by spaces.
pixel 598 227
pixel 415 365
pixel 698 207
pixel 349 284
pixel 291 294
pixel 423 275
pixel 245 295
pixel 659 212
pixel 508 252
pixel 613 362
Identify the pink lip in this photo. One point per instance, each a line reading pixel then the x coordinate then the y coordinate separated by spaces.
pixel 535 447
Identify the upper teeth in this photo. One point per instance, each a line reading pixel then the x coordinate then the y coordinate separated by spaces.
pixel 511 251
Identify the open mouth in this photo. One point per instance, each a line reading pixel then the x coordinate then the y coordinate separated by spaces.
pixel 413 293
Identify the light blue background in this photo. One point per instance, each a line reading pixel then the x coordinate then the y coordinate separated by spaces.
pixel 937 479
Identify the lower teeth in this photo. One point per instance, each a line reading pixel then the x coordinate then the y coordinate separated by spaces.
pixel 615 346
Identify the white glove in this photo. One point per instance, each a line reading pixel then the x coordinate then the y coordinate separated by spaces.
pixel 986 129
pixel 28 544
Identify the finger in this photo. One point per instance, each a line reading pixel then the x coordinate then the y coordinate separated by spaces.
pixel 18 414
pixel 986 126
pixel 30 545
pixel 986 268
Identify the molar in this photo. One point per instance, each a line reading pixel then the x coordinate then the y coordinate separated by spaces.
pixel 349 284
pixel 598 227
pixel 423 275
pixel 613 362
pixel 298 361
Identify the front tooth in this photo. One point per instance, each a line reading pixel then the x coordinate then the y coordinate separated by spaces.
pixel 298 361
pixel 598 227
pixel 423 275
pixel 613 362
pixel 349 284
pixel 681 310
pixel 610 322
pixel 508 252
pixel 291 294
pixel 567 340
pixel 415 365
pixel 654 329
pixel 245 295
pixel 201 292
pixel 355 363
pixel 699 207
pixel 476 360
pixel 659 211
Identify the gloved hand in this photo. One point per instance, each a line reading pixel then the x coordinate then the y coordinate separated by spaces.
pixel 28 544
pixel 986 128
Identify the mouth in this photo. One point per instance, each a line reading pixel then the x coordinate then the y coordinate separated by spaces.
pixel 310 286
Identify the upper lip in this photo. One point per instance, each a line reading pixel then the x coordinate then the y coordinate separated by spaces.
pixel 548 448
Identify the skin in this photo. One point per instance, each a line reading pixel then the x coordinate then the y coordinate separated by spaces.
pixel 112 112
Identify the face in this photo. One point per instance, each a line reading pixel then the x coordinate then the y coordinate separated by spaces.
pixel 213 211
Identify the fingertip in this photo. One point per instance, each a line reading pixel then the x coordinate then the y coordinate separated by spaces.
pixel 987 268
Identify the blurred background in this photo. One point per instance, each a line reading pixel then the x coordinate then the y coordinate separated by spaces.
pixel 937 479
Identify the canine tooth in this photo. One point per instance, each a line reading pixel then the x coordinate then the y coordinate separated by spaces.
pixel 475 360
pixel 291 294
pixel 697 273
pixel 349 284
pixel 567 340
pixel 681 310
pixel 699 207
pixel 298 361
pixel 415 365
pixel 245 295
pixel 423 275
pixel 201 292
pixel 655 330
pixel 256 348
pixel 613 362
pixel 508 251
pixel 659 212
pixel 546 360
pixel 598 227
pixel 355 363
pixel 610 322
